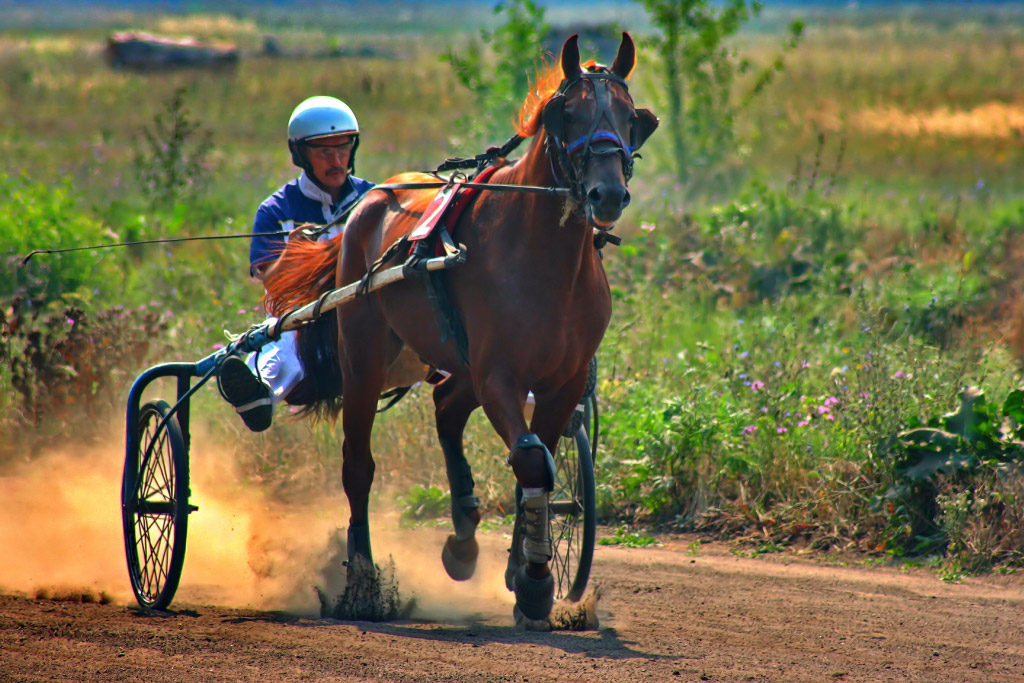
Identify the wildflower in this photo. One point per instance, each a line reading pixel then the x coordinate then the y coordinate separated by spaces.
pixel 744 354
pixel 831 417
pixel 241 311
pixel 648 227
pixel 218 346
pixel 255 308
pixel 69 321
pixel 824 410
pixel 781 430
pixel 805 364
pixel 831 401
pixel 899 373
pixel 757 385
pixel 750 429
pixel 802 423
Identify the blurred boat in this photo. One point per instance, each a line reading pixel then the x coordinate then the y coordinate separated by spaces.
pixel 144 52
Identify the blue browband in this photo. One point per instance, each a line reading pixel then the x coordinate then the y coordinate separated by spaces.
pixel 598 135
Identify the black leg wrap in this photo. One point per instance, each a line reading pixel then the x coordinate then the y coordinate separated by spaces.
pixel 533 441
pixel 460 481
pixel 534 597
pixel 359 541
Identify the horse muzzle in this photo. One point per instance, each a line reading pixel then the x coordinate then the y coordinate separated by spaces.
pixel 605 203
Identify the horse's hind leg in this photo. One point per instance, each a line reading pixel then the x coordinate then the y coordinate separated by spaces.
pixel 364 373
pixel 454 401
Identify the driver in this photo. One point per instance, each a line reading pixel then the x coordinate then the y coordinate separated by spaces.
pixel 323 136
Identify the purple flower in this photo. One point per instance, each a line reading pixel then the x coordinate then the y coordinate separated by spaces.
pixel 750 429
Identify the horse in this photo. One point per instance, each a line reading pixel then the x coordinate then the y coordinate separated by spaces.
pixel 532 298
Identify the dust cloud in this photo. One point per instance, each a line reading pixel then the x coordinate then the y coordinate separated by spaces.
pixel 60 528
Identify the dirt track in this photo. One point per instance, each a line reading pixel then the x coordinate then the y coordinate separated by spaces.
pixel 670 613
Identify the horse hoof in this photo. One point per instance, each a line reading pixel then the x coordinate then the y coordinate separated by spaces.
pixel 534 597
pixel 459 558
pixel 529 624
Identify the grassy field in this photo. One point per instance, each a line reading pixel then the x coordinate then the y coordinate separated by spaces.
pixel 771 336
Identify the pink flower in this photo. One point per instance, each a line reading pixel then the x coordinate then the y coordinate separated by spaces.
pixel 781 430
pixel 757 385
pixel 830 417
pixel 822 410
pixel 750 429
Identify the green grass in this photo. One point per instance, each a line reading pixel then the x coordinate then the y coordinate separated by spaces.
pixel 769 336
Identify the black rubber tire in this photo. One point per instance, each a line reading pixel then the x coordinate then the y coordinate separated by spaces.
pixel 573 509
pixel 154 507
pixel 573 518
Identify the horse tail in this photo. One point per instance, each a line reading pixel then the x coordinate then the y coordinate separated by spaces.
pixel 304 272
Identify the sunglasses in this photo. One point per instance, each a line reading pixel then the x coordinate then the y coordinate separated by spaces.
pixel 331 151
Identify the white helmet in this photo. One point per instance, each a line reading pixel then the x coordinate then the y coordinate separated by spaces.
pixel 320 116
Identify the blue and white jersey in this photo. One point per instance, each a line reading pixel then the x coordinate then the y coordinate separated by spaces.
pixel 297 202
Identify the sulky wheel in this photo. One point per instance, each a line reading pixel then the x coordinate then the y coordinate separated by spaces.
pixel 573 517
pixel 154 506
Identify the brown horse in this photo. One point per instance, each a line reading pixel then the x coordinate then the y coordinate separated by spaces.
pixel 532 297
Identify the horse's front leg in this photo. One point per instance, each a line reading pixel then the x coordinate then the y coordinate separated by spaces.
pixel 454 401
pixel 534 468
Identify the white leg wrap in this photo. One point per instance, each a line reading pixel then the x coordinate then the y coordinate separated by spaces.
pixel 537 531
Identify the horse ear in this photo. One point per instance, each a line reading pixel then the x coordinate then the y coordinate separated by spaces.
pixel 626 59
pixel 645 124
pixel 571 57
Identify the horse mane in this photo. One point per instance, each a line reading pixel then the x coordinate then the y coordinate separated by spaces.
pixel 545 83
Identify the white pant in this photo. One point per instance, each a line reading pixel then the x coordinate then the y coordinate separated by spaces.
pixel 278 365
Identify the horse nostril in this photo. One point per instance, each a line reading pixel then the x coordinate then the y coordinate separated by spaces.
pixel 625 199
pixel 594 196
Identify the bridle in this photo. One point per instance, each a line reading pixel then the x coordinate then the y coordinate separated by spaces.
pixel 561 152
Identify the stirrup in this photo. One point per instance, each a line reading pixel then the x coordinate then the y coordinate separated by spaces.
pixel 536 529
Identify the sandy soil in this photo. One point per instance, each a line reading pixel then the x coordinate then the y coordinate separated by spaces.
pixel 670 613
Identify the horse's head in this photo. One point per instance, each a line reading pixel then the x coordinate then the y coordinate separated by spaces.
pixel 594 130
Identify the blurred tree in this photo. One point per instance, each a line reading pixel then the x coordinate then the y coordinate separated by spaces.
pixel 499 88
pixel 700 71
